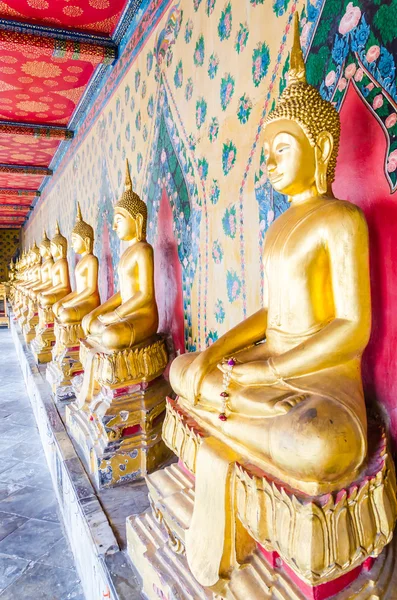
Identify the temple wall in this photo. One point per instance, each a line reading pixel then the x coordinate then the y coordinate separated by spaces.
pixel 185 104
pixel 9 243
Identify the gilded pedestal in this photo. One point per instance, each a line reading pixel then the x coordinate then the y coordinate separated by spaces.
pixel 45 338
pixel 117 418
pixel 316 543
pixel 65 362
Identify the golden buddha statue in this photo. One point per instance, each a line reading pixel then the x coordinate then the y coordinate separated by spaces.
pixel 70 310
pixel 123 360
pixel 34 277
pixel 129 316
pixel 271 417
pixel 60 287
pixel 44 284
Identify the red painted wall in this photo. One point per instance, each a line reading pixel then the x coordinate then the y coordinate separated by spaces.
pixel 361 179
pixel 168 277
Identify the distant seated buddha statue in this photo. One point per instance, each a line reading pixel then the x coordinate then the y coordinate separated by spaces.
pixel 34 278
pixel 130 316
pixel 73 307
pixel 282 391
pixel 59 272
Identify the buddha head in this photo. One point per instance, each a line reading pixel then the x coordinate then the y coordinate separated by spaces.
pixel 301 133
pixel 130 213
pixel 82 235
pixel 59 244
pixel 35 254
pixel 45 246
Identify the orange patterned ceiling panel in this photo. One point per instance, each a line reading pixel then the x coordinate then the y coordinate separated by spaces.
pixel 20 181
pixel 27 150
pixel 94 16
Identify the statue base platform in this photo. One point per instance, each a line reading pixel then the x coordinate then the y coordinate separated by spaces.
pixel 60 372
pixel 29 329
pixel 44 340
pixel 165 573
pixel 322 542
pixel 118 431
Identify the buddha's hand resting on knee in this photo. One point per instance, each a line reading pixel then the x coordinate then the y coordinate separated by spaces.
pixel 195 375
pixel 251 374
pixel 108 318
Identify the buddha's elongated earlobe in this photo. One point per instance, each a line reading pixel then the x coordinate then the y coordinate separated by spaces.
pixel 139 227
pixel 323 152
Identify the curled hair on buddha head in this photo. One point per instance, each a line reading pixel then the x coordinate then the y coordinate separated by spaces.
pixel 83 229
pixel 45 242
pixel 131 203
pixel 302 103
pixel 60 241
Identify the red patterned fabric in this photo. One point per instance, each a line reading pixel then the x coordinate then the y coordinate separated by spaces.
pixel 95 16
pixel 26 150
pixel 20 181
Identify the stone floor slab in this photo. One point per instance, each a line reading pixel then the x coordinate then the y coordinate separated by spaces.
pixel 46 583
pixel 32 540
pixel 33 503
pixel 11 568
pixel 10 523
pixel 30 474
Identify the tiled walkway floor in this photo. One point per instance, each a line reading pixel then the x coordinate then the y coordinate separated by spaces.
pixel 35 560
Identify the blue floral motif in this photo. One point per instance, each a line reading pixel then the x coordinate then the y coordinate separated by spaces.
pixel 279 7
pixel 149 62
pixel 196 4
pixel 260 62
pixel 340 49
pixel 138 120
pixel 178 76
pixel 214 191
pixel 145 133
pixel 241 38
pixel 386 65
pixel 212 336
pixel 150 106
pixel 229 154
pixel 133 144
pixel 198 57
pixel 191 141
pixel 229 221
pixel 118 143
pixel 137 79
pixel 203 168
pixel 209 6
pixel 132 104
pixel 118 107
pixel 217 252
pixel 139 162
pixel 244 109
pixel 127 93
pixel 213 66
pixel 201 112
pixel 188 31
pixel 169 56
pixel 225 23
pixel 143 90
pixel 227 90
pixel 189 89
pixel 360 35
pixel 233 285
pixel 128 132
pixel 213 129
pixel 220 312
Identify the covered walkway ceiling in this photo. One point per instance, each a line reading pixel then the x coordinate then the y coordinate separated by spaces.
pixel 53 53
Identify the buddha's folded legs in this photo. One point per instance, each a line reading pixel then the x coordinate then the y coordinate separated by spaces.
pixel 125 333
pixel 74 314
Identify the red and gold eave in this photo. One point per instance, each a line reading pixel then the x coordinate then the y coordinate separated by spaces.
pixel 42 80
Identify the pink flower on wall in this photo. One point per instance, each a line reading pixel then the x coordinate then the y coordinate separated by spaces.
pixel 342 84
pixel 391 120
pixel 370 86
pixel 378 101
pixel 350 70
pixel 350 19
pixel 392 162
pixel 330 78
pixel 373 54
pixel 359 74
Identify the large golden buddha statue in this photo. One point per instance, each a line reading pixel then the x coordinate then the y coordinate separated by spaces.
pixel 271 418
pixel 120 405
pixel 70 310
pixel 60 287
pixel 43 284
pixel 130 316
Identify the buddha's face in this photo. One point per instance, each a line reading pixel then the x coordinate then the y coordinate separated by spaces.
pixel 55 251
pixel 124 225
pixel 78 244
pixel 44 252
pixel 290 159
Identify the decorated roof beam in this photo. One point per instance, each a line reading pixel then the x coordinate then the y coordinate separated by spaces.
pixel 14 192
pixel 5 226
pixel 12 219
pixel 31 129
pixel 96 51
pixel 25 170
pixel 15 207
